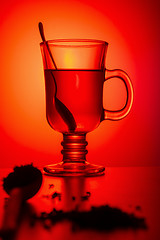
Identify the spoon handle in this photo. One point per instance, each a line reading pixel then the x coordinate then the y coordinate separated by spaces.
pixel 12 211
pixel 41 30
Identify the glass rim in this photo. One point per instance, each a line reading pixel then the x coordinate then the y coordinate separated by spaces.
pixel 75 42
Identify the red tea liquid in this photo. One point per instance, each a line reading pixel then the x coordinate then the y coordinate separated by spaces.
pixel 81 91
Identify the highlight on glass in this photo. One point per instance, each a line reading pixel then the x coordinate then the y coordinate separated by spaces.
pixel 75 74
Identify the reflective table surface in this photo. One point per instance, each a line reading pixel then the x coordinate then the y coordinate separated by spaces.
pixel 58 210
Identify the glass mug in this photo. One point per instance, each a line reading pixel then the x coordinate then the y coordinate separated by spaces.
pixel 74 76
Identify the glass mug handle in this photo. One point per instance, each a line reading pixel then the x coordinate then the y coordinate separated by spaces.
pixel 121 113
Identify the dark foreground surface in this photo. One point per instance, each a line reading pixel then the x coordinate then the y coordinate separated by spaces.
pixel 122 204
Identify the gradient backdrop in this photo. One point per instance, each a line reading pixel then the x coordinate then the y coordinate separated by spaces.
pixel 132 29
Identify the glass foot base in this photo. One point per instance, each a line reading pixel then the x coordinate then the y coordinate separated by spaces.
pixel 74 169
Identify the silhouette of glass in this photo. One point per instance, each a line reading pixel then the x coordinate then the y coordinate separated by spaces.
pixel 74 98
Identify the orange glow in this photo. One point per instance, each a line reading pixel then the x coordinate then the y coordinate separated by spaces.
pixel 22 91
pixel 24 82
pixel 68 60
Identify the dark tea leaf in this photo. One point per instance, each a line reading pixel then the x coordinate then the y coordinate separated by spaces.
pixel 65 114
pixel 102 218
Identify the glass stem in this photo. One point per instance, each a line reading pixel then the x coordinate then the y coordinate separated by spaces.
pixel 74 148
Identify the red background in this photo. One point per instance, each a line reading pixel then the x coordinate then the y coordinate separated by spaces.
pixel 132 30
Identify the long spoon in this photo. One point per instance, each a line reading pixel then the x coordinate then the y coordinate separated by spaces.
pixel 63 111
